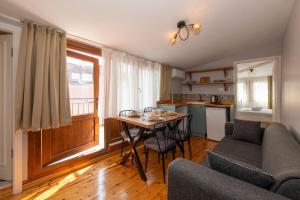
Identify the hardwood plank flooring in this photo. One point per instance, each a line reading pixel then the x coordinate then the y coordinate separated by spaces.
pixel 107 179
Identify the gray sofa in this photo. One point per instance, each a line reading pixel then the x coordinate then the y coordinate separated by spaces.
pixel 278 155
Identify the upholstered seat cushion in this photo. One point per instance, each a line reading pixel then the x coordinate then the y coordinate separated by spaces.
pixel 165 144
pixel 241 151
pixel 133 132
pixel 239 170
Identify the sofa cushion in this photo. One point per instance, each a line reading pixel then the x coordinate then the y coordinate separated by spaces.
pixel 248 131
pixel 281 158
pixel 239 170
pixel 239 150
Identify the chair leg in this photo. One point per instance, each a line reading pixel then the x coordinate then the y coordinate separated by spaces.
pixel 158 156
pixel 182 143
pixel 123 144
pixel 146 155
pixel 173 153
pixel 189 141
pixel 163 167
pixel 132 158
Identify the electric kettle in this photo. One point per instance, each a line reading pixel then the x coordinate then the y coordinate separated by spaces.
pixel 214 99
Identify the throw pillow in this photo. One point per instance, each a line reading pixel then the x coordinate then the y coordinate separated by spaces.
pixel 248 131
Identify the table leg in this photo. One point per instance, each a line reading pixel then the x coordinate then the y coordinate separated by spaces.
pixel 125 158
pixel 133 143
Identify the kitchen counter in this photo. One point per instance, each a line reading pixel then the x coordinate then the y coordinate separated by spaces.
pixel 186 102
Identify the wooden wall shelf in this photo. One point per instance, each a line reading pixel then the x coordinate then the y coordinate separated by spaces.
pixel 224 69
pixel 190 85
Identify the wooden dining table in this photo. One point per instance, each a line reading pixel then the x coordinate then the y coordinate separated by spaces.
pixel 142 125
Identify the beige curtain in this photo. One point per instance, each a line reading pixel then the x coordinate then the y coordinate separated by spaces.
pixel 42 95
pixel 165 83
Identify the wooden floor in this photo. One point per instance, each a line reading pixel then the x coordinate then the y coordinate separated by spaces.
pixel 107 179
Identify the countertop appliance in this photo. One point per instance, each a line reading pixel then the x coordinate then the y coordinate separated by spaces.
pixel 214 99
pixel 215 122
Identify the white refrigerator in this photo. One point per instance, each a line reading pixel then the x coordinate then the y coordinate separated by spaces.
pixel 215 121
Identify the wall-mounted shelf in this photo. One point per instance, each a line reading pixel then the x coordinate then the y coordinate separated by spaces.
pixel 190 85
pixel 224 69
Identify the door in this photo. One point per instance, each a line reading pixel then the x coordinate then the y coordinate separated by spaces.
pixel 6 95
pixel 83 134
pixel 216 119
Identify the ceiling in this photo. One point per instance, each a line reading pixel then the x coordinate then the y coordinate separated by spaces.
pixel 261 68
pixel 143 28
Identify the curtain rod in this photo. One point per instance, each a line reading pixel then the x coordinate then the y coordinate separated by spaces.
pixel 47 26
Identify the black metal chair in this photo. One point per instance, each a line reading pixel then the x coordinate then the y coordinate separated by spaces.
pixel 184 135
pixel 133 131
pixel 160 143
pixel 149 109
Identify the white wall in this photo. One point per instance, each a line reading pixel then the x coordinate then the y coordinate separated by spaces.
pixel 273 49
pixel 10 25
pixel 176 85
pixel 291 73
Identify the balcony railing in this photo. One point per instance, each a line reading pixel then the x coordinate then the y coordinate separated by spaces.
pixel 82 106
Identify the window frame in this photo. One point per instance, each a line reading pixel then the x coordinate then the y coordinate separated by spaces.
pixel 95 77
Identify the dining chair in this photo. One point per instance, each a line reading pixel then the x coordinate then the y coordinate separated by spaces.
pixel 161 144
pixel 185 134
pixel 133 131
pixel 150 132
pixel 148 109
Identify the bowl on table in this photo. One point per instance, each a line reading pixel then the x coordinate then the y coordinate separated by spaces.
pixel 134 114
pixel 152 117
pixel 158 112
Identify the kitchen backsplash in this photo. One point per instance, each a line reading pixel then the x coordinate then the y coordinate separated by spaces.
pixel 204 97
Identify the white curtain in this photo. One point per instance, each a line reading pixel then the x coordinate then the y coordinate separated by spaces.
pixel 42 94
pixel 242 93
pixel 129 82
pixel 253 92
pixel 260 91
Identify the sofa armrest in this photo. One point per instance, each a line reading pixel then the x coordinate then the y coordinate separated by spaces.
pixel 189 181
pixel 228 128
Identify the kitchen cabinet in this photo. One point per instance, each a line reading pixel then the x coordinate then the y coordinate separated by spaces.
pixel 167 107
pixel 198 124
pixel 178 109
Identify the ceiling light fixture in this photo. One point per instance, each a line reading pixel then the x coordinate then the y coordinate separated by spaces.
pixel 251 72
pixel 181 25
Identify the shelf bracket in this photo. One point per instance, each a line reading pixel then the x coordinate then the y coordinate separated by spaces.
pixel 225 73
pixel 190 75
pixel 190 87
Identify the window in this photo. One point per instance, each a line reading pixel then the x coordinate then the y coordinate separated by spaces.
pixel 253 92
pixel 81 85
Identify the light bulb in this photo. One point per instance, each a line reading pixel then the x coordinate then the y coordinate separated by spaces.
pixel 173 40
pixel 196 27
